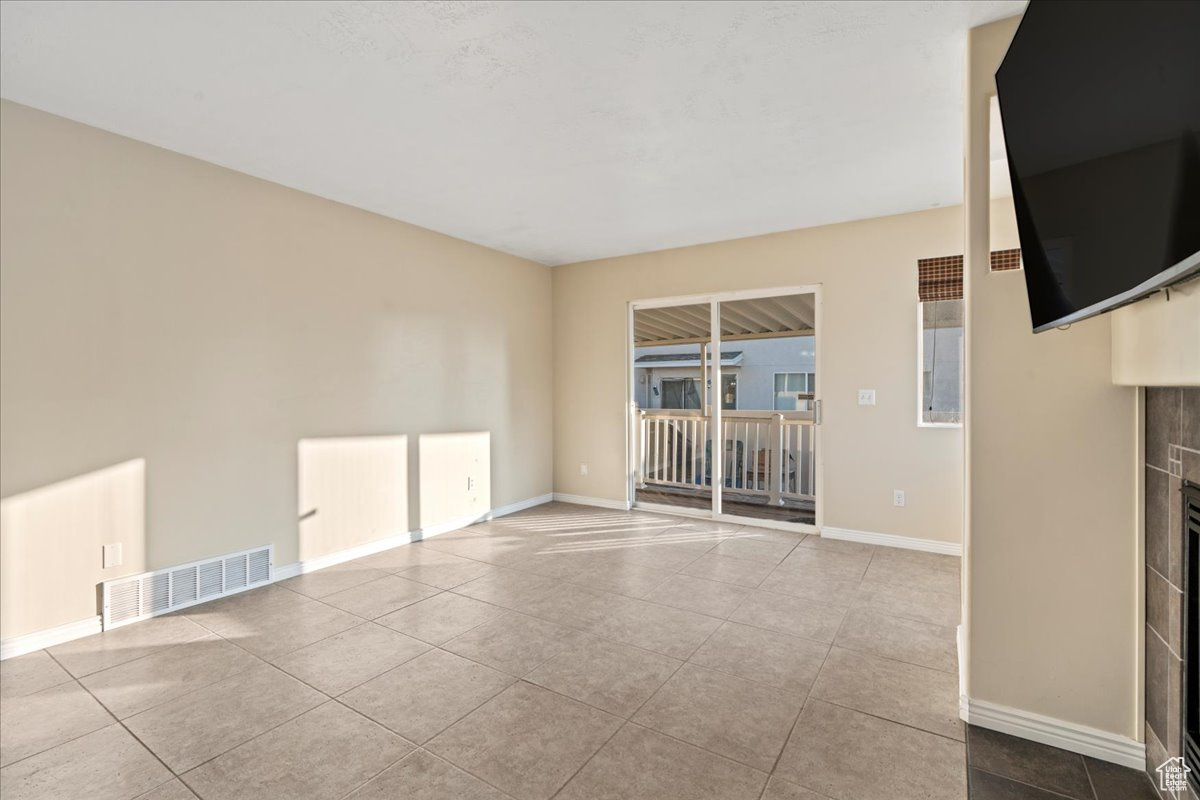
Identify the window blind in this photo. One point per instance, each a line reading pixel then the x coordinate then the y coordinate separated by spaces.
pixel 941 278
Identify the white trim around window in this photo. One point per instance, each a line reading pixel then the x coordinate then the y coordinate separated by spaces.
pixel 810 382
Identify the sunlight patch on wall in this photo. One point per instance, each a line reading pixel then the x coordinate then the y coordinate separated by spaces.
pixel 352 490
pixel 455 477
pixel 67 524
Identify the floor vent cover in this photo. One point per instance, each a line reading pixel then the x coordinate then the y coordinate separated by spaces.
pixel 152 593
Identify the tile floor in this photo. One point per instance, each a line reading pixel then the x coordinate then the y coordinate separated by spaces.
pixel 1004 767
pixel 562 652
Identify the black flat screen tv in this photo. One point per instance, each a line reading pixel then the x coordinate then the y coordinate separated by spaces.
pixel 1100 103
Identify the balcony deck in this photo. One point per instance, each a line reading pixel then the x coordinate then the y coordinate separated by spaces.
pixel 751 507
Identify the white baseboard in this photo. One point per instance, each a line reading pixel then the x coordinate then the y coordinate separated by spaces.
pixel 388 542
pixel 437 529
pixel 598 502
pixel 20 645
pixel 520 505
pixel 285 571
pixel 892 540
pixel 960 641
pixel 1080 739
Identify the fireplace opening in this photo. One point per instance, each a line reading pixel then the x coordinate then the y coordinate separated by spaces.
pixel 1191 630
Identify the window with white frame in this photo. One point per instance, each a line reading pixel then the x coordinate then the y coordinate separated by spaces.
pixel 794 390
pixel 680 392
pixel 728 391
pixel 940 341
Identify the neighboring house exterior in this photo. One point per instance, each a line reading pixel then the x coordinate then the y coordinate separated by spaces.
pixel 757 374
pixel 768 374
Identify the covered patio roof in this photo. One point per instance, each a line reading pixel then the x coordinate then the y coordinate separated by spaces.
pixel 741 320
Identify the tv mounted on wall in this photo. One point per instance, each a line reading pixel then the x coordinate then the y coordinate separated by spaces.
pixel 1100 103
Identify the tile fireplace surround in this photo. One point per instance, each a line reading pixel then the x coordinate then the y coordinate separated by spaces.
pixel 1172 455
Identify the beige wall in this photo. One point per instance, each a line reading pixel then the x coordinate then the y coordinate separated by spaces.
pixel 1156 342
pixel 460 460
pixel 867 271
pixel 52 538
pixel 157 307
pixel 1051 546
pixel 352 490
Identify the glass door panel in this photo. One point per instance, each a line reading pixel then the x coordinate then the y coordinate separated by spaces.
pixel 672 406
pixel 727 425
pixel 768 345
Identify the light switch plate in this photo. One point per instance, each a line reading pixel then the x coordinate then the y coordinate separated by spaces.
pixel 866 397
pixel 113 556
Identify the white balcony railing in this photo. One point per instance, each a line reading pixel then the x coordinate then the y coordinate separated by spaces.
pixel 767 453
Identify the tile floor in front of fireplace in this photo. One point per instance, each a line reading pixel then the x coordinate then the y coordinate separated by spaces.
pixel 1003 767
pixel 563 652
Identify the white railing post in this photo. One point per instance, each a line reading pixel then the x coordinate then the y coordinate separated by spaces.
pixel 813 461
pixel 642 425
pixel 776 467
pixel 777 453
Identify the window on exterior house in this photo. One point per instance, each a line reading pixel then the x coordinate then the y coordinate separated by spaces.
pixel 791 389
pixel 940 341
pixel 728 391
pixel 680 392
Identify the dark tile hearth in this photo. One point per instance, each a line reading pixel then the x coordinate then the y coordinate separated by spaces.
pixel 1003 767
pixel 986 786
pixel 1172 456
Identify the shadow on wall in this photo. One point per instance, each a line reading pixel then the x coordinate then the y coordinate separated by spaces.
pixel 52 546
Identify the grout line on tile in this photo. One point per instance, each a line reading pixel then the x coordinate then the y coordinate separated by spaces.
pixel 893 658
pixel 73 738
pixel 909 725
pixel 259 735
pixel 628 720
pixel 415 747
pixel 404 757
pixel 1088 773
pixel 807 698
pixel 573 626
pixel 1022 783
pixel 125 728
pixel 479 778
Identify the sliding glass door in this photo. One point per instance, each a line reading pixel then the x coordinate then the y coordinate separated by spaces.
pixel 725 406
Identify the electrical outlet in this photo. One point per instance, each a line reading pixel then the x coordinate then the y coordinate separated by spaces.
pixel 583 469
pixel 898 498
pixel 112 555
pixel 866 397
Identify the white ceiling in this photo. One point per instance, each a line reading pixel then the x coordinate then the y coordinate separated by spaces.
pixel 557 131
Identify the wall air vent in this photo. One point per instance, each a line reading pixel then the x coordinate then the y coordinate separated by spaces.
pixel 138 597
